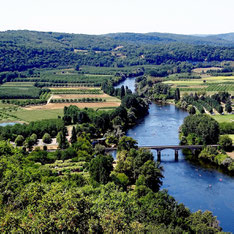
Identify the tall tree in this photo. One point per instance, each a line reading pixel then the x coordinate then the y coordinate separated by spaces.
pixel 100 168
pixel 177 94
pixel 62 140
pixel 73 135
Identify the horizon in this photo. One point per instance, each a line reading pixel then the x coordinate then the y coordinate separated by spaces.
pixel 123 32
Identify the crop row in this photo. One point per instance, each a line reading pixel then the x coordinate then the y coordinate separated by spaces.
pixel 77 100
pixel 77 91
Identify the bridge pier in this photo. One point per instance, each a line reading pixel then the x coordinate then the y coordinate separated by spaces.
pixel 158 155
pixel 176 155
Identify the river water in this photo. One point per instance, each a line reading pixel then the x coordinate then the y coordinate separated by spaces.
pixel 198 187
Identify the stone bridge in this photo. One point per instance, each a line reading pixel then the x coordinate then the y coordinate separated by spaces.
pixel 176 148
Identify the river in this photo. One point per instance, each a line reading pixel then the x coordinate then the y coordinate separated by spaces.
pixel 199 188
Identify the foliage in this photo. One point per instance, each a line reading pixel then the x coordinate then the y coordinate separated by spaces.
pixel 62 140
pixel 127 143
pixel 22 50
pixel 226 128
pixel 100 168
pixel 225 143
pixel 46 138
pixel 39 128
pixel 46 198
pixel 203 127
pixel 19 140
pixel 91 100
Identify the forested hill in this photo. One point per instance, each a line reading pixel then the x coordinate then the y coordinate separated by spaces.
pixel 21 50
pixel 154 38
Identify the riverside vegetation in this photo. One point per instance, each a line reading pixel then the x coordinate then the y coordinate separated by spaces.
pixel 79 188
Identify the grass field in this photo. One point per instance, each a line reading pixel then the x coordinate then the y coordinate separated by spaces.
pixel 224 118
pixel 5 105
pixel 12 92
pixel 29 116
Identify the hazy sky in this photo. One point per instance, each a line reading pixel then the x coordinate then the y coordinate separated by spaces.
pixel 105 16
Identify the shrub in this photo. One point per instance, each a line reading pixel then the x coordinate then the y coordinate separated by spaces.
pixel 19 140
pixel 225 143
pixel 47 138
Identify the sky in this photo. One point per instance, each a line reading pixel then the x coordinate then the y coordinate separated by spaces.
pixel 110 16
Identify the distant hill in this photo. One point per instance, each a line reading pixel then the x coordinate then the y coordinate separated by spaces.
pixel 155 37
pixel 23 49
pixel 225 37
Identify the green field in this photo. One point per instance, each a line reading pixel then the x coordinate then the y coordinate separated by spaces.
pixel 11 92
pixel 208 84
pixel 224 118
pixel 29 115
pixel 71 76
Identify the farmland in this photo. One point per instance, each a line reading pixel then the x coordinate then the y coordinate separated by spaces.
pixel 82 97
pixel 44 93
pixel 207 84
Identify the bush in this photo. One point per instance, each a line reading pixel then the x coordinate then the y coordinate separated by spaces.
pixel 225 143
pixel 19 140
pixel 47 138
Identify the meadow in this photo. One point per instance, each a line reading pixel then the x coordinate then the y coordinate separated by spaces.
pixel 229 118
pixel 25 115
pixel 19 92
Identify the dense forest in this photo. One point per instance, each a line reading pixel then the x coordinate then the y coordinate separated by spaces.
pixel 21 50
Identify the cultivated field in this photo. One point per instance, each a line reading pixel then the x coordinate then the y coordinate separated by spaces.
pixel 108 101
pixel 201 70
pixel 56 106
pixel 207 84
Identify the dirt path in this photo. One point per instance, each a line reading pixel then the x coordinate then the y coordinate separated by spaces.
pixel 48 101
pixel 231 154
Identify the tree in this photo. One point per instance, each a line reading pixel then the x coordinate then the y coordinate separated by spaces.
pixel 152 173
pixel 202 127
pixel 177 94
pixel 19 140
pixel 122 92
pixel 191 110
pixel 120 179
pixel 228 107
pixel 47 138
pixel 33 138
pixel 100 168
pixel 28 143
pixel 225 143
pixel 77 68
pixel 62 140
pixel 220 109
pixel 127 143
pixel 73 135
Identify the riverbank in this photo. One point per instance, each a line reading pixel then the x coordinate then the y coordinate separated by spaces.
pixel 185 178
